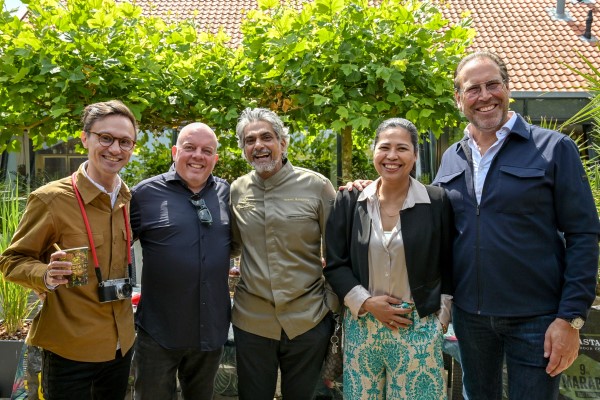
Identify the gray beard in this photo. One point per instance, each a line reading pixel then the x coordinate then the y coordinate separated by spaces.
pixel 264 167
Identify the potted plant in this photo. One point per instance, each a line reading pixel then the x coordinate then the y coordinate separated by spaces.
pixel 15 300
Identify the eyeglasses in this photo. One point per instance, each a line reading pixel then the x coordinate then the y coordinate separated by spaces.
pixel 203 212
pixel 492 87
pixel 106 140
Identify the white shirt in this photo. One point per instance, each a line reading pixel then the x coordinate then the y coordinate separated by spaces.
pixel 481 164
pixel 113 195
pixel 387 262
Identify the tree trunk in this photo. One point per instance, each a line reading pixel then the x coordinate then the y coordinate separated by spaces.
pixel 347 154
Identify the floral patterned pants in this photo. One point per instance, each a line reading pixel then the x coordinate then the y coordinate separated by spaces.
pixel 383 364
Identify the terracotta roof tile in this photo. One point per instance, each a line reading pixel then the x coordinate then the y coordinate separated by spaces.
pixel 534 44
pixel 525 31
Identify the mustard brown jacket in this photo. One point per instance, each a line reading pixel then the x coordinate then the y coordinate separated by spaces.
pixel 72 322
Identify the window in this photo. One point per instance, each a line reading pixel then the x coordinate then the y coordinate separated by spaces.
pixel 55 166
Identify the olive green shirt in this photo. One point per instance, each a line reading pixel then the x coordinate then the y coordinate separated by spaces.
pixel 72 322
pixel 280 224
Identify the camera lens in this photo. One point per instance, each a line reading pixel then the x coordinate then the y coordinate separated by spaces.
pixel 124 290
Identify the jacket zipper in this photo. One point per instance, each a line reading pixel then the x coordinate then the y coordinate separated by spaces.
pixel 478 216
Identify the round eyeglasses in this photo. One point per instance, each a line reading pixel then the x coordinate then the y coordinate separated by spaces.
pixel 491 87
pixel 106 140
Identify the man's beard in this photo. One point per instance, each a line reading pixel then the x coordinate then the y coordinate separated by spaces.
pixel 264 167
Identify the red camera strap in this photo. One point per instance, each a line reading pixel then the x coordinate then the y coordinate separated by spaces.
pixel 89 230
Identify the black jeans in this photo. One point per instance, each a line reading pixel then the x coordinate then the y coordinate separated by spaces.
pixel 156 367
pixel 300 360
pixel 64 379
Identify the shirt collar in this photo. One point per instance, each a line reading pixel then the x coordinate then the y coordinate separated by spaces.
pixel 99 186
pixel 172 176
pixel 114 194
pixel 417 193
pixel 501 134
pixel 277 177
pixel 89 189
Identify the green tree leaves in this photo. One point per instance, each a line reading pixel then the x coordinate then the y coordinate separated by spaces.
pixel 66 55
pixel 336 65
pixel 349 65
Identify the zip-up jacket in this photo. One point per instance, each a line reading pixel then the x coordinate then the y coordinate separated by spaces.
pixel 531 246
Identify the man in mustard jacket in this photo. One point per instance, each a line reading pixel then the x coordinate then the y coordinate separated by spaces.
pixel 86 332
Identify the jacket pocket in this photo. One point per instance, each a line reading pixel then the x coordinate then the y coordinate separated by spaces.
pixel 519 189
pixel 81 240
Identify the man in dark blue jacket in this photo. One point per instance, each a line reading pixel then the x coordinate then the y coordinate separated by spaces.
pixel 526 250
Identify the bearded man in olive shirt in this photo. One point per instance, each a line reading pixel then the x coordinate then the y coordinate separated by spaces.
pixel 86 344
pixel 279 215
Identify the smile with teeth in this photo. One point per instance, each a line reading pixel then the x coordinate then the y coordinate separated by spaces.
pixel 391 166
pixel 197 166
pixel 261 156
pixel 487 108
pixel 113 159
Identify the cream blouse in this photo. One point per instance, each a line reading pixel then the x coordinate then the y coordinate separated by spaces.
pixel 387 263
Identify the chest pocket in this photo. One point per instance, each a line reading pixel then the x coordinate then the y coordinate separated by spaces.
pixel 81 240
pixel 455 186
pixel 519 189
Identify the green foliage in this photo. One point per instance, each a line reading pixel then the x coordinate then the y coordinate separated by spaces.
pixel 591 112
pixel 314 152
pixel 15 306
pixel 593 172
pixel 66 55
pixel 231 164
pixel 592 169
pixel 334 65
pixel 338 64
pixel 151 157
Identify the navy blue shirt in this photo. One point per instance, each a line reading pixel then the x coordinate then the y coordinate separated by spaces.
pixel 185 296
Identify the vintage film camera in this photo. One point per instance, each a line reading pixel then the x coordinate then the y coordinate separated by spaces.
pixel 114 289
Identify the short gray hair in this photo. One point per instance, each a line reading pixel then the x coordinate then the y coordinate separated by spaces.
pixel 261 114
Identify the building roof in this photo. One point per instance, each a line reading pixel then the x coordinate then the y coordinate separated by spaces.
pixel 532 41
pixel 210 15
pixel 525 33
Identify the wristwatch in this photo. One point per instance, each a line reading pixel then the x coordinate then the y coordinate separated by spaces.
pixel 576 323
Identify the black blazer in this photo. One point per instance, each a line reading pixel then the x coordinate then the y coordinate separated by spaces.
pixel 426 232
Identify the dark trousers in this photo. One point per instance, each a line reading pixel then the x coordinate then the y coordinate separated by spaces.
pixel 64 379
pixel 300 360
pixel 484 343
pixel 156 367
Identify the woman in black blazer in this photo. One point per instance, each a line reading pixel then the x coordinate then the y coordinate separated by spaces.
pixel 388 259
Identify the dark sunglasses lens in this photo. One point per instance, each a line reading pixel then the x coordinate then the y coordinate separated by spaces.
pixel 205 216
pixel 203 212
